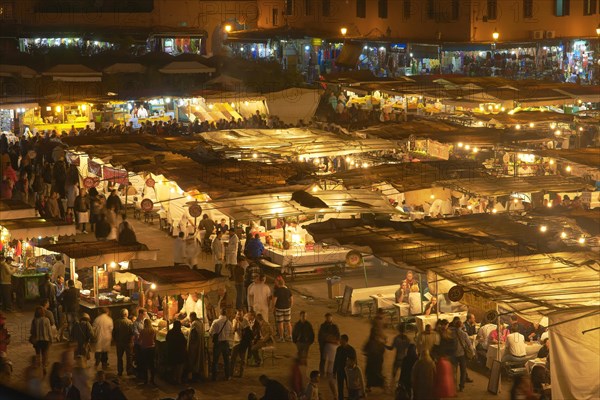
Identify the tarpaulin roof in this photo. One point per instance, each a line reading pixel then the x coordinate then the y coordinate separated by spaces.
pixel 15 209
pixel 524 282
pixel 89 254
pixel 186 67
pixel 180 279
pixel 585 156
pixel 273 205
pixel 294 142
pixel 28 228
pixel 408 176
pixel 491 186
pixel 206 173
pixel 125 68
pixel 73 73
pixel 17 70
pixel 350 54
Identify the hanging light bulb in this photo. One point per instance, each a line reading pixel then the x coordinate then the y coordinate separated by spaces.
pixel 543 228
pixel 563 235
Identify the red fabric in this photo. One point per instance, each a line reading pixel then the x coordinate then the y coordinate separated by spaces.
pixel 444 380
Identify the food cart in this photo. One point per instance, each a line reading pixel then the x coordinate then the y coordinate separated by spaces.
pixel 92 265
pixel 169 282
pixel 14 234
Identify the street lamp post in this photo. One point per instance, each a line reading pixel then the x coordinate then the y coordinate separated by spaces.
pixel 495 36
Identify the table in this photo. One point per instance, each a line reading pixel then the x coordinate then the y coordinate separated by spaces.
pixel 115 308
pixel 381 301
pixel 297 256
pixel 423 320
pixel 492 352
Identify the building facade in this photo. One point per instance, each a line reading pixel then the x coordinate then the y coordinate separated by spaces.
pixel 173 26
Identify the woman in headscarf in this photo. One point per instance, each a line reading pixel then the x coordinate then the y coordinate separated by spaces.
pixel 195 347
pixel 423 378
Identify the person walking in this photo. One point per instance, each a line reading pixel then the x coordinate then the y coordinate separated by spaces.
pixel 464 344
pixel 176 352
pixel 239 271
pixel 423 378
pixel 48 291
pixel 259 295
pixel 195 347
pixel 343 353
pixel 231 253
pixel 83 335
pixel 220 332
pixel 408 362
pixel 400 344
pixel 123 334
pixel 41 337
pixel 303 335
pixel 374 349
pixel 103 329
pixel 355 380
pixel 6 273
pixel 218 251
pixel 329 337
pixel 82 208
pixel 283 301
pixel 179 249
pixel 147 340
pixel 242 339
pixel 70 303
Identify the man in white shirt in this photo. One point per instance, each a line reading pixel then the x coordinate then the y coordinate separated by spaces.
pixel 484 334
pixel 179 250
pixel 220 332
pixel 189 306
pixel 515 348
pixel 232 251
pixel 142 112
pixel 259 296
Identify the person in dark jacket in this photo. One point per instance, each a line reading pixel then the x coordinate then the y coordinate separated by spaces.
pixel 274 390
pixel 123 336
pixel 342 354
pixel 82 208
pixel 102 227
pixel 70 303
pixel 303 335
pixel 176 351
pixel 83 335
pixel 405 382
pixel 101 389
pixel 113 201
pixel 329 336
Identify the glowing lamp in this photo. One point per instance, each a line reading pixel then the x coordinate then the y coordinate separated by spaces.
pixel 153 286
pixel 344 31
pixel 543 228
pixel 227 28
pixel 563 235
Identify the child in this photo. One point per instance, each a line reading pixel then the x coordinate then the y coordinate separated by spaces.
pixel 354 380
pixel 312 390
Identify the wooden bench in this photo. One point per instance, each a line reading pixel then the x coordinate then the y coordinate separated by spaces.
pixel 363 294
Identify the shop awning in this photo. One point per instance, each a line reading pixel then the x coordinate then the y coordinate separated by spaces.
pixel 466 47
pixel 278 205
pixel 15 209
pixel 73 73
pixel 29 228
pixel 125 68
pixel 179 279
pixel 491 186
pixel 17 70
pixel 586 156
pixel 186 67
pixel 89 254
pixel 424 50
pixel 266 35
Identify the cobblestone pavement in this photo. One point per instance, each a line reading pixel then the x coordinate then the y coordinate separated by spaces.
pixel 310 296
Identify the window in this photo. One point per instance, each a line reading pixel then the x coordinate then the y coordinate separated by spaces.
pixel 275 17
pixel 430 9
pixel 527 8
pixel 562 8
pixel 455 9
pixel 326 11
pixel 361 8
pixel 589 7
pixel 383 9
pixel 307 7
pixel 289 7
pixel 492 9
pixel 406 9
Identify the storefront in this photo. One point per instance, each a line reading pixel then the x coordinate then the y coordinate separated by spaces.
pixel 59 117
pixel 94 264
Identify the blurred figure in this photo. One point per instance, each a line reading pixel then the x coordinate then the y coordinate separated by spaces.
pixel 408 362
pixel 176 351
pixel 41 337
pixel 423 378
pixel 522 388
pixel 33 378
pixel 83 335
pixel 81 380
pixel 103 327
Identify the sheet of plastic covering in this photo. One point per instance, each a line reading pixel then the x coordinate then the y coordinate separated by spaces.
pixel 575 355
pixel 291 105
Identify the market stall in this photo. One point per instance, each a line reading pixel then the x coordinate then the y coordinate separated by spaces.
pixel 94 264
pixel 171 282
pixel 14 236
pixel 59 117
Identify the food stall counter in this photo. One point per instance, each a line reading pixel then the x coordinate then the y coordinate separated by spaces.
pixel 293 259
